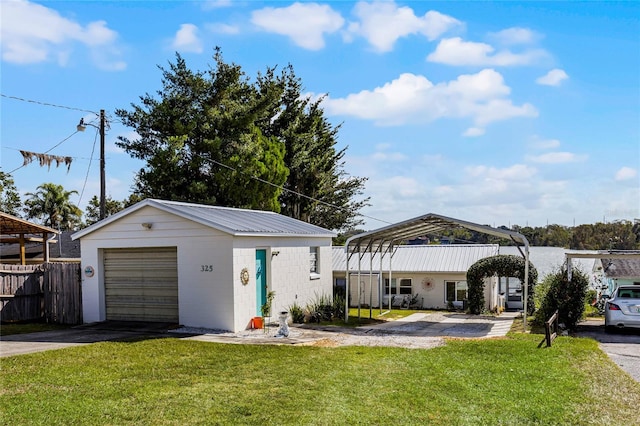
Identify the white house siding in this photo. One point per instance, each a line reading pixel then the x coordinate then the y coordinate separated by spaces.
pixel 210 293
pixel 434 298
pixel 202 295
pixel 287 274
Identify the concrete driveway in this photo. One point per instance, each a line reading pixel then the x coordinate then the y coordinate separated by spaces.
pixel 623 347
pixel 19 344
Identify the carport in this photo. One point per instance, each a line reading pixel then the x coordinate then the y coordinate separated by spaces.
pixel 383 241
pixel 16 230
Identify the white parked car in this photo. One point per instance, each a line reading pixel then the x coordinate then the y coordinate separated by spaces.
pixel 623 309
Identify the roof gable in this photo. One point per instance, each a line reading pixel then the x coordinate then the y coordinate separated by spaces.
pixel 233 221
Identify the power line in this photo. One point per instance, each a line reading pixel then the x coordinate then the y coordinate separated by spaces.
pixel 46 103
pixel 292 191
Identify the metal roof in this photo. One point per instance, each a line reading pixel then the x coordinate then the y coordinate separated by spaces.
pixel 621 268
pixel 427 224
pixel 421 258
pixel 11 225
pixel 237 222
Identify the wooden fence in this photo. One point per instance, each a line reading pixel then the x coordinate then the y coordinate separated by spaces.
pixel 550 330
pixel 49 292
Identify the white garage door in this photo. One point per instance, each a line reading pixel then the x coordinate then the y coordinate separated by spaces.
pixel 141 284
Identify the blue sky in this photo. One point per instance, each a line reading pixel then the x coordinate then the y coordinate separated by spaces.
pixel 498 113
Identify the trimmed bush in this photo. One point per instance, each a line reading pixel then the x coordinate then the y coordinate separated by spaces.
pixel 566 296
pixel 503 265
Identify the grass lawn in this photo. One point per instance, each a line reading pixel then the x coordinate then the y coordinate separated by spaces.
pixel 178 382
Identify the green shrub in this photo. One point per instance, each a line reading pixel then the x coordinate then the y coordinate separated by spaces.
pixel 338 306
pixel 297 313
pixel 564 295
pixel 320 308
pixel 503 265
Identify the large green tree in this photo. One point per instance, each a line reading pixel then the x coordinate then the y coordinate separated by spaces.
pixel 215 137
pixel 51 204
pixel 201 142
pixel 9 197
pixel 318 189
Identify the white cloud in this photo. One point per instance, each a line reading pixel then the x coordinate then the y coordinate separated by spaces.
pixel 545 143
pixel 383 23
pixel 474 131
pixel 455 51
pixel 31 33
pixel 216 4
pixel 515 35
pixel 187 39
pixel 414 99
pixel 222 28
pixel 558 158
pixel 513 173
pixel 305 23
pixel 552 78
pixel 626 173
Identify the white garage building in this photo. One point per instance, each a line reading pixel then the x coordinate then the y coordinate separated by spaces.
pixel 198 265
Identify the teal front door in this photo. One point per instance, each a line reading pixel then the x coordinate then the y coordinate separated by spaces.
pixel 261 280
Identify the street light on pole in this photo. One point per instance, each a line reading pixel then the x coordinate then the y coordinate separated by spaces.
pixel 81 128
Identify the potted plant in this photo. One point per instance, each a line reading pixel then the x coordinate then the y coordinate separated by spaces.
pixel 265 309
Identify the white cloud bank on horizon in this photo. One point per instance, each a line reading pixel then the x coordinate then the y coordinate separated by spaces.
pixel 304 23
pixel 32 33
pixel 481 97
pixel 187 39
pixel 383 23
pixel 553 78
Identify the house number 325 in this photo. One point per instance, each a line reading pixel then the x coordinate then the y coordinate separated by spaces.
pixel 206 268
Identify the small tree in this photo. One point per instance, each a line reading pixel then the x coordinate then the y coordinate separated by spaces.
pixel 564 295
pixel 92 214
pixel 9 198
pixel 51 204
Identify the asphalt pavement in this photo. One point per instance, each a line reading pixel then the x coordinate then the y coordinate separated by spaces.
pixel 622 346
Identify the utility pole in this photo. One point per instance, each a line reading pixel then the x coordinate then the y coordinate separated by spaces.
pixel 102 179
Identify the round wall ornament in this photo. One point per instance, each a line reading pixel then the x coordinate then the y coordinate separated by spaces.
pixel 244 276
pixel 427 283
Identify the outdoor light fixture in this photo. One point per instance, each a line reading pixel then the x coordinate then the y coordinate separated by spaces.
pixel 147 225
pixel 81 127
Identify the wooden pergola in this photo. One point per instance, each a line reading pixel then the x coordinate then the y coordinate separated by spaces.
pixel 15 230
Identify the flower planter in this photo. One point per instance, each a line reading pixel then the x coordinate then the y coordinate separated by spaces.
pixel 257 322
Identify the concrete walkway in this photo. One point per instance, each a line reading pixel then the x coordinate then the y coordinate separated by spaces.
pixel 448 325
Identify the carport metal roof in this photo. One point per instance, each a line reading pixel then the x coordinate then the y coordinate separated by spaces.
pixel 383 239
pixel 13 229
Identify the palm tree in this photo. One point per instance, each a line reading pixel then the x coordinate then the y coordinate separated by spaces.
pixel 51 204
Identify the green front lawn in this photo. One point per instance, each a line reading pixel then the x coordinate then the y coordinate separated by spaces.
pixel 172 381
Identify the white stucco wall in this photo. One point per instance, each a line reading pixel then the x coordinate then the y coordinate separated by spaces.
pixel 287 274
pixel 210 293
pixel 434 298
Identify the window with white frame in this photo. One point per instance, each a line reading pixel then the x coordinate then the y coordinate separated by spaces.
pixel 457 291
pixel 405 286
pixel 313 260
